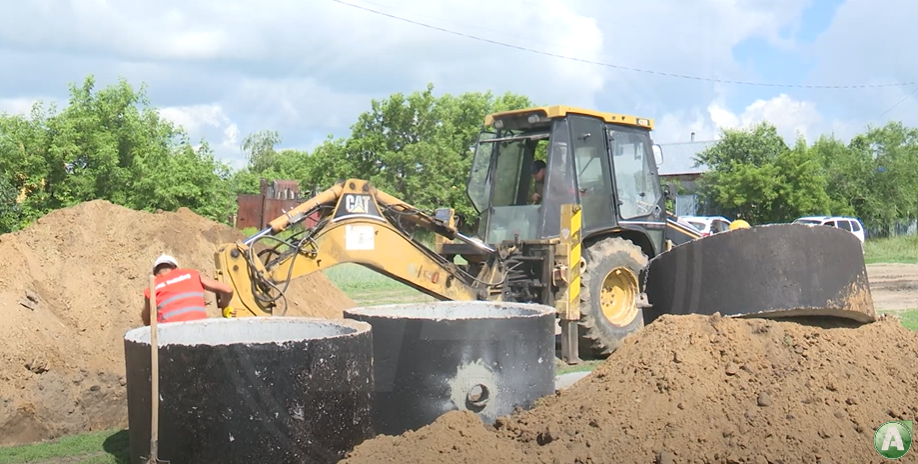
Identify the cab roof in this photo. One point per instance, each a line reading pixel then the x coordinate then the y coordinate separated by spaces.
pixel 559 111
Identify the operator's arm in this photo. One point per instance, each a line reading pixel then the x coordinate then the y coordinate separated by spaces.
pixel 145 312
pixel 224 292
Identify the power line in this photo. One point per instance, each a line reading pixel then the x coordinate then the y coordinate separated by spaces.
pixel 624 68
pixel 900 102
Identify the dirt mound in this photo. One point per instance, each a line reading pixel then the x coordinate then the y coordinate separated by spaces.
pixel 71 285
pixel 696 389
pixel 458 437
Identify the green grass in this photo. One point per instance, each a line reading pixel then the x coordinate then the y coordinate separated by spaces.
pixel 369 288
pixel 903 249
pixel 364 286
pixel 908 318
pixel 107 447
pixel 586 366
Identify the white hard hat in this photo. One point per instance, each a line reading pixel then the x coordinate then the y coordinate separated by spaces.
pixel 164 259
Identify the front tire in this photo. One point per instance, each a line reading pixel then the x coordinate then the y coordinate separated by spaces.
pixel 609 295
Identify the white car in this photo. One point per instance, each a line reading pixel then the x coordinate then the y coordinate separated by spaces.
pixel 850 224
pixel 708 225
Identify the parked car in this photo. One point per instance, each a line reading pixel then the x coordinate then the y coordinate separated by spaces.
pixel 708 225
pixel 850 224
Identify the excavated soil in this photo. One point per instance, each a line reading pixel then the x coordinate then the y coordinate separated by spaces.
pixel 700 389
pixel 71 285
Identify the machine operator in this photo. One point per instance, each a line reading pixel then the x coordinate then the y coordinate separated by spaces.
pixel 538 174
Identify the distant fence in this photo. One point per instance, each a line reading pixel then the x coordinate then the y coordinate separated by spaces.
pixel 257 211
pixel 898 229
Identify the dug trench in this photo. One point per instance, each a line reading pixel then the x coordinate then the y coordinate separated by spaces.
pixel 70 287
pixel 699 389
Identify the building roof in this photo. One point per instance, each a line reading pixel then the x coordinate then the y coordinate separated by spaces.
pixel 678 158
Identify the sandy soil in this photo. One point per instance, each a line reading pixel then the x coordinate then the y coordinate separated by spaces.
pixel 699 389
pixel 696 389
pixel 71 285
pixel 894 286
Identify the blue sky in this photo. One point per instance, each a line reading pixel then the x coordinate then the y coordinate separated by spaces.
pixel 307 69
pixel 779 64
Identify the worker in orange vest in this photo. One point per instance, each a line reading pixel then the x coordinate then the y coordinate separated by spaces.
pixel 180 293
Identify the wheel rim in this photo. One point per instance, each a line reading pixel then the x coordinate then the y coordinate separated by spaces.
pixel 618 297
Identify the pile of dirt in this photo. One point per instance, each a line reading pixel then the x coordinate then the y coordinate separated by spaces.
pixel 699 389
pixel 71 285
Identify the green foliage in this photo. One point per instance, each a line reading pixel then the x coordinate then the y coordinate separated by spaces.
pixel 10 212
pixel 416 147
pixel 755 176
pixel 108 144
pixel 264 161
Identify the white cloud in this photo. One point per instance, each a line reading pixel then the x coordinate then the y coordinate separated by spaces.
pixel 23 106
pixel 307 69
pixel 679 127
pixel 791 117
pixel 16 105
pixel 194 117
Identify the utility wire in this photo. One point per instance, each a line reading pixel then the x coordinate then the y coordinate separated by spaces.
pixel 900 102
pixel 624 68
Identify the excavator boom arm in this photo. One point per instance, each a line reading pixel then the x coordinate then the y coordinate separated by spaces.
pixel 355 231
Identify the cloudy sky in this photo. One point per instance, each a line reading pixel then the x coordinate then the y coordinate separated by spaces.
pixel 307 68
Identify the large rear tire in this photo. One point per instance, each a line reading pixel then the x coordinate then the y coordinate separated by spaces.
pixel 609 295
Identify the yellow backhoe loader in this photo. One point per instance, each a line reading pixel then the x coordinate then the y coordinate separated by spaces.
pixel 598 245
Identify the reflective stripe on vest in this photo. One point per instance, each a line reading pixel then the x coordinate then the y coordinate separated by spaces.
pixel 169 311
pixel 180 297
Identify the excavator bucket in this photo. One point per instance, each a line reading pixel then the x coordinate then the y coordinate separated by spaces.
pixel 773 271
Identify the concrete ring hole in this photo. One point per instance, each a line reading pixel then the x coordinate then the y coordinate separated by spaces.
pixel 247 331
pixel 478 396
pixel 453 310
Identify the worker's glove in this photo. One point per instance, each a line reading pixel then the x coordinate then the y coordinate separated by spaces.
pixel 229 311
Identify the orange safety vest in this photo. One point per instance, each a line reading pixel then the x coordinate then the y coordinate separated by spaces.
pixel 179 296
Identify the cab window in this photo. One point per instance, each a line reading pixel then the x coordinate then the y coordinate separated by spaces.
pixel 637 188
pixel 594 180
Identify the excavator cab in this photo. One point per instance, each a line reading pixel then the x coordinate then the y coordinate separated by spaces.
pixel 605 163
pixel 600 168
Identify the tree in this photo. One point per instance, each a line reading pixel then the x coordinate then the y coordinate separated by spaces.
pixel 109 144
pixel 883 169
pixel 10 212
pixel 847 173
pixel 259 150
pixel 755 176
pixel 416 147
